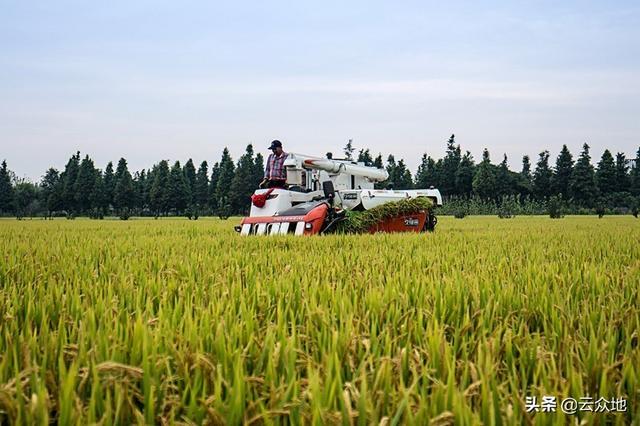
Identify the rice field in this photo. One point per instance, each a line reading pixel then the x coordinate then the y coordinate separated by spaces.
pixel 184 322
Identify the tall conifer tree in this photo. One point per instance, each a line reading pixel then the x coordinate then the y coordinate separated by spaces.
pixel 583 183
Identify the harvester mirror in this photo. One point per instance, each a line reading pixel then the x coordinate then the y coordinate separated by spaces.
pixel 329 191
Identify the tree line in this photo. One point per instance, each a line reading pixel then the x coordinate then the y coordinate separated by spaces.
pixel 82 189
pixel 576 184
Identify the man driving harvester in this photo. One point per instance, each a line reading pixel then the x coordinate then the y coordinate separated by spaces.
pixel 275 175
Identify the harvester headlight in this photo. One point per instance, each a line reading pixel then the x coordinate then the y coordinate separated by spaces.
pixel 308 225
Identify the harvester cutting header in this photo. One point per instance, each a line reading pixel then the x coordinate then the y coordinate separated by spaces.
pixel 318 195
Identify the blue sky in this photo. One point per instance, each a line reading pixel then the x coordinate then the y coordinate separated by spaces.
pixel 149 80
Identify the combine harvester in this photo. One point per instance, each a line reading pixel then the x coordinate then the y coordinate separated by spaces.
pixel 320 191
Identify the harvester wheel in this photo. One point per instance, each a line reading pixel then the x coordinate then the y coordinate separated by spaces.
pixel 431 222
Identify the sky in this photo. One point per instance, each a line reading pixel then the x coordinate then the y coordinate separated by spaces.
pixel 152 80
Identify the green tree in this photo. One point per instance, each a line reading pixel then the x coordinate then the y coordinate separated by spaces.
pixel 109 184
pixel 201 187
pixel 123 193
pixel 450 165
pixel 364 156
pixel 561 178
pixel 349 150
pixel 84 185
pixel 484 181
pixel 258 167
pixel 635 175
pixel 622 173
pixel 464 175
pixel 6 190
pixel 25 196
pixel 159 193
pixel 51 188
pixel 554 207
pixel 150 179
pixel 223 184
pixel 69 177
pixel 391 171
pixel 526 168
pixel 141 187
pixel 377 162
pixel 98 197
pixel 541 184
pixel 403 176
pixel 136 198
pixel 524 179
pixel 242 184
pixel 606 174
pixel 432 177
pixel 504 182
pixel 190 176
pixel 213 186
pixel 583 183
pixel 179 194
pixel 422 172
pixel 438 173
pixel 427 175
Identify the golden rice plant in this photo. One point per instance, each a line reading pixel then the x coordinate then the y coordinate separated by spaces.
pixel 185 322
